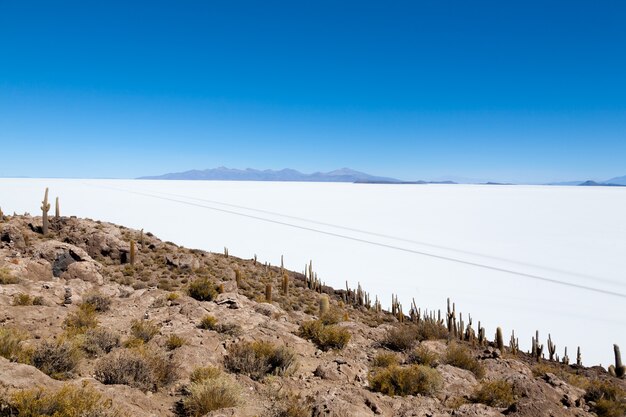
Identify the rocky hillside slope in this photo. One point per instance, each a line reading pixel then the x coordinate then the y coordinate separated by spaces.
pixel 101 320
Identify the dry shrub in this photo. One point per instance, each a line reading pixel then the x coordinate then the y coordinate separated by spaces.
pixel 498 393
pixel 210 394
pixel 100 303
pixel 411 380
pixel 81 320
pixel 145 369
pixel 57 359
pixel 99 341
pixel 260 358
pixel 202 289
pixel 208 322
pixel 423 356
pixel 461 357
pixel 332 316
pixel 7 278
pixel 22 299
pixel 609 399
pixel 69 401
pixel 11 345
pixel 174 342
pixel 431 330
pixel 400 338
pixel 173 296
pixel 144 330
pixel 325 337
pixel 384 360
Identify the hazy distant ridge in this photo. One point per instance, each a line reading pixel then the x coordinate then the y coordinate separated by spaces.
pixel 249 174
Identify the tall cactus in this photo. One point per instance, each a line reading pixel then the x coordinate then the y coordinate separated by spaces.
pixel 268 293
pixel 132 252
pixel 57 212
pixel 552 348
pixel 618 370
pixel 324 304
pixel 499 340
pixel 565 357
pixel 1 215
pixel 579 358
pixel 45 206
pixel 285 284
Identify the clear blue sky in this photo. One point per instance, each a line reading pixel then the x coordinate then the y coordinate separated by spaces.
pixel 512 91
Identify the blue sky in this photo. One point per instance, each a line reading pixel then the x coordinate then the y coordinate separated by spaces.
pixel 510 91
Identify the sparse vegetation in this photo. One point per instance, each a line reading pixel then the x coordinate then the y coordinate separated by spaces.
pixel 202 289
pixel 384 360
pixel 69 401
pixel 6 277
pixel 260 358
pixel 609 400
pixel 208 322
pixel 209 390
pixel 99 302
pixel 11 345
pixel 146 369
pixel 423 356
pixel 498 393
pixel 325 337
pixel 401 338
pixel 411 380
pixel 143 330
pixel 57 359
pixel 174 342
pixel 461 357
pixel 99 341
pixel 81 320
pixel 22 299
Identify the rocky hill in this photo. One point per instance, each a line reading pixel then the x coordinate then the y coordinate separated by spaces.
pixel 101 320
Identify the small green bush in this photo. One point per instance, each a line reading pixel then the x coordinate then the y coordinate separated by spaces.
pixel 260 358
pixel 69 401
pixel 325 337
pixel 497 394
pixel 202 289
pixel 57 359
pixel 412 380
pixel 143 330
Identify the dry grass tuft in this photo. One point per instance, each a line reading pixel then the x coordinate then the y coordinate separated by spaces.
pixel 7 278
pixel 69 401
pixel 11 345
pixel 210 394
pixel 609 399
pixel 81 320
pixel 423 356
pixel 174 342
pixel 144 330
pixel 202 289
pixel 412 380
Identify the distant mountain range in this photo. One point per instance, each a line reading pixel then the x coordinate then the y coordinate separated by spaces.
pixel 613 182
pixel 338 175
pixel 249 174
